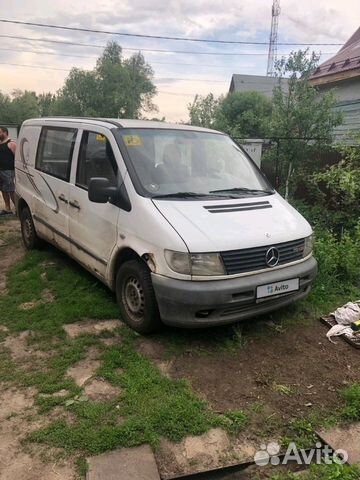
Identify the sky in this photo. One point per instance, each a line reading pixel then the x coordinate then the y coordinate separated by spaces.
pixel 177 76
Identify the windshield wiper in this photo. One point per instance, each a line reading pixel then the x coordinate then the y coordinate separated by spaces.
pixel 181 195
pixel 243 190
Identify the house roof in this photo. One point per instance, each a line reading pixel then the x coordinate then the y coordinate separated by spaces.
pixel 345 64
pixel 254 83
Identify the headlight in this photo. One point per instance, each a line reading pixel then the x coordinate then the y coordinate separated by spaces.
pixel 309 243
pixel 178 261
pixel 206 264
pixel 195 263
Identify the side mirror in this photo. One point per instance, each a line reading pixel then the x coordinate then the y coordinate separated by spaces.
pixel 101 191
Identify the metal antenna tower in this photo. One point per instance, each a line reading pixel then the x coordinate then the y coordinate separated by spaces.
pixel 273 38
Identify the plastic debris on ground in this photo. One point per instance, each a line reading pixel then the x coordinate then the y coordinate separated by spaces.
pixel 344 322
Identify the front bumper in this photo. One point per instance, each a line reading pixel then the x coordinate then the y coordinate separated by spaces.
pixel 218 302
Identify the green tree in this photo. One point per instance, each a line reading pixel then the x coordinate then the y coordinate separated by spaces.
pixel 116 87
pixel 46 103
pixel 23 105
pixel 203 111
pixel 5 108
pixel 337 188
pixel 79 96
pixel 240 115
pixel 244 115
pixel 301 116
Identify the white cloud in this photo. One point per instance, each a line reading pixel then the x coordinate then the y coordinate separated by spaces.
pixel 326 21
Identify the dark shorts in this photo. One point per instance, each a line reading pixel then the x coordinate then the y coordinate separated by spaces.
pixel 7 181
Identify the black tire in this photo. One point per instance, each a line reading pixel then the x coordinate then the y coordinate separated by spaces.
pixel 136 297
pixel 29 236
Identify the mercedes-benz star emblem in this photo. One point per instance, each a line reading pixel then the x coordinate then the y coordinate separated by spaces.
pixel 272 257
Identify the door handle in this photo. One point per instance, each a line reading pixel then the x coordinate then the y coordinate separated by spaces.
pixel 74 204
pixel 62 198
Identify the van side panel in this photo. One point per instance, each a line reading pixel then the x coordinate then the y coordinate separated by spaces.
pixel 39 190
pixel 27 183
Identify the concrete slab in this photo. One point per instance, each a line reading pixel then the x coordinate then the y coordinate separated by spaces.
pixel 82 371
pixel 347 438
pixel 125 464
pixel 99 390
pixel 209 451
pixel 93 327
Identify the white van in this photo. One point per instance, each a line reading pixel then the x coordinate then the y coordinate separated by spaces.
pixel 177 220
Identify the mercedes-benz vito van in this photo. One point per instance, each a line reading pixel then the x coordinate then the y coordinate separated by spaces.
pixel 177 220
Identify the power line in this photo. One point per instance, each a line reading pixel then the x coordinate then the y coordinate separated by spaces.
pixel 34 66
pixel 161 79
pixel 156 79
pixel 157 37
pixel 47 53
pixel 56 54
pixel 190 79
pixel 61 42
pixel 151 50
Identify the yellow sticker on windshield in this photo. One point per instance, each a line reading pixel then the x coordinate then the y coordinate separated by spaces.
pixel 100 138
pixel 132 140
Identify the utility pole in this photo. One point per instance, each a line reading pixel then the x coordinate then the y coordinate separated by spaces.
pixel 273 38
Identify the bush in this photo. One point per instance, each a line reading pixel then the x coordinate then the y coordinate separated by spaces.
pixel 339 268
pixel 339 259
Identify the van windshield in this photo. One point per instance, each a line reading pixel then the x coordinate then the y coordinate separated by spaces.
pixel 190 164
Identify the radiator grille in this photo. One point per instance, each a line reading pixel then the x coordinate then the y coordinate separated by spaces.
pixel 250 259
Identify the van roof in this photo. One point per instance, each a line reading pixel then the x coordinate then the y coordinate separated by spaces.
pixel 118 122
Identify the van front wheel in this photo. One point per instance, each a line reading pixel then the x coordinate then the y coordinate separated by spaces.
pixel 28 232
pixel 136 297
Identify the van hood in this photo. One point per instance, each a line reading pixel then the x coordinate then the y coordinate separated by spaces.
pixel 220 225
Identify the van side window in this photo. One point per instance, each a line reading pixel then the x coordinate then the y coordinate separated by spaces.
pixel 96 159
pixel 55 151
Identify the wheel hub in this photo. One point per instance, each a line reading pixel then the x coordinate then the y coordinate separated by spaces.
pixel 134 296
pixel 27 229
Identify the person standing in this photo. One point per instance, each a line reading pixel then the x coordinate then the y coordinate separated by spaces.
pixel 7 170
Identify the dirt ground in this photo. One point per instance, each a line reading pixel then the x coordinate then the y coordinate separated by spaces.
pixel 18 417
pixel 301 359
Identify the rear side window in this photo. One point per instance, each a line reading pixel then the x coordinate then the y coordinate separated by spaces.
pixel 96 159
pixel 55 151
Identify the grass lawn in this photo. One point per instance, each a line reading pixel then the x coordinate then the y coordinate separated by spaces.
pixel 46 291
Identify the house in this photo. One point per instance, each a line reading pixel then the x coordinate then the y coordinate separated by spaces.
pixel 254 83
pixel 342 73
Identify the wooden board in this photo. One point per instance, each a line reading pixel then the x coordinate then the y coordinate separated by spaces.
pixel 330 321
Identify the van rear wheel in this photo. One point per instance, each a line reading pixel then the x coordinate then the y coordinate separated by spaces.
pixel 30 239
pixel 136 297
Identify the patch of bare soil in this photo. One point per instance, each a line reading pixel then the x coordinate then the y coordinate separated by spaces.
pixel 17 420
pixel 92 327
pixel 150 347
pixel 14 401
pixel 289 373
pixel 20 349
pixel 155 351
pixel 46 297
pixel 301 358
pixel 10 252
